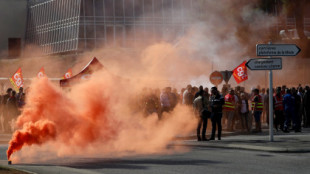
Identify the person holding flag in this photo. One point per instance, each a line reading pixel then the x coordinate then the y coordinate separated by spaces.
pixel 17 79
pixel 41 73
pixel 68 74
pixel 240 73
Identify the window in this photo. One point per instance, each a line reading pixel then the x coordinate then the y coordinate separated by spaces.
pixel 90 33
pixel 89 5
pixel 98 7
pixel 108 8
pixel 119 10
pixel 100 31
pixel 128 8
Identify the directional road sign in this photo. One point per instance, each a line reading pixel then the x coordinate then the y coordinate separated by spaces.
pixel 265 64
pixel 277 50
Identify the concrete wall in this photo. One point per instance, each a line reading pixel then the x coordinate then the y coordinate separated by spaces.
pixel 13 15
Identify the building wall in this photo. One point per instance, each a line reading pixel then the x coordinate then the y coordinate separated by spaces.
pixel 13 15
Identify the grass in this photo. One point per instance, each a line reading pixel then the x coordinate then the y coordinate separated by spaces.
pixel 5 170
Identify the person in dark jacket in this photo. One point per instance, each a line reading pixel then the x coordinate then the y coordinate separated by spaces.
pixel 306 105
pixel 201 109
pixel 297 113
pixel 5 112
pixel 289 109
pixel 216 104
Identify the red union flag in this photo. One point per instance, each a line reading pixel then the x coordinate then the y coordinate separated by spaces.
pixel 240 73
pixel 41 73
pixel 68 74
pixel 17 79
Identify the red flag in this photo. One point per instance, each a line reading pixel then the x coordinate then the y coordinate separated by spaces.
pixel 240 73
pixel 68 74
pixel 41 73
pixel 17 79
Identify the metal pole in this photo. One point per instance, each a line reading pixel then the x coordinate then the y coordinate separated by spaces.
pixel 270 104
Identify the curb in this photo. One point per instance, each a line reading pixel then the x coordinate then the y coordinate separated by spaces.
pixel 243 147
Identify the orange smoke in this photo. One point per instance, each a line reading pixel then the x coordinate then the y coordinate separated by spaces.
pixel 94 118
pixel 32 133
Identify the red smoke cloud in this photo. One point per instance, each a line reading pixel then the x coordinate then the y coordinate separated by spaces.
pixel 95 117
pixel 32 133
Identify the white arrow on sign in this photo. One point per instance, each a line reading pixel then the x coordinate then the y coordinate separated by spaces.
pixel 277 50
pixel 265 64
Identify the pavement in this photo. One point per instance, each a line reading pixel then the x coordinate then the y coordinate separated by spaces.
pixel 283 143
pixel 292 142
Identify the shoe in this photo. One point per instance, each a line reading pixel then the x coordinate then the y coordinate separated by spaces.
pixel 212 138
pixel 218 138
pixel 198 139
pixel 298 130
pixel 205 139
pixel 286 131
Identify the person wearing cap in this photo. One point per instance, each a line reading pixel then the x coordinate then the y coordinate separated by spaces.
pixel 257 108
pixel 216 104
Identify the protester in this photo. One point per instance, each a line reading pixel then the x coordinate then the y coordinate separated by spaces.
pixel 216 104
pixel 297 113
pixel 229 107
pixel 278 109
pixel 5 112
pixel 289 109
pixel 244 112
pixel 257 108
pixel 200 106
pixel 165 101
pixel 306 105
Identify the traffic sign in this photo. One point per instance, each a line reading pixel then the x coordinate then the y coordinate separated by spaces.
pixel 265 64
pixel 277 50
pixel 226 75
pixel 216 78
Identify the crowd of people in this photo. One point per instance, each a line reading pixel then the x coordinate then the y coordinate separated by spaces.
pixel 11 104
pixel 233 108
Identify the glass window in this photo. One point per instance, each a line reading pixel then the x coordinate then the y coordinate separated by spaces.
pixel 138 7
pixel 108 8
pixel 90 34
pixel 81 31
pixel 100 31
pixel 119 10
pixel 128 8
pixel 98 7
pixel 89 5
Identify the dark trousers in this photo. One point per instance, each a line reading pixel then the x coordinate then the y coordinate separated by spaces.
pixel 279 119
pixel 216 119
pixel 288 117
pixel 204 122
pixel 297 121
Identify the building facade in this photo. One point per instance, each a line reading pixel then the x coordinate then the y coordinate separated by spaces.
pixel 60 26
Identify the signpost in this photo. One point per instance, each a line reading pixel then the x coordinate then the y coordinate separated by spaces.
pixel 272 64
pixel 277 50
pixel 226 75
pixel 216 78
pixel 265 64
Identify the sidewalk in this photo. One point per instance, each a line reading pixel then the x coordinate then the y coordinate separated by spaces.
pixel 283 142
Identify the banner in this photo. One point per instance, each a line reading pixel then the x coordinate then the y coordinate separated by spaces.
pixel 240 73
pixel 68 74
pixel 17 79
pixel 41 73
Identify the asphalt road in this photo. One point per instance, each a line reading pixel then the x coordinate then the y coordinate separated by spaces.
pixel 197 160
